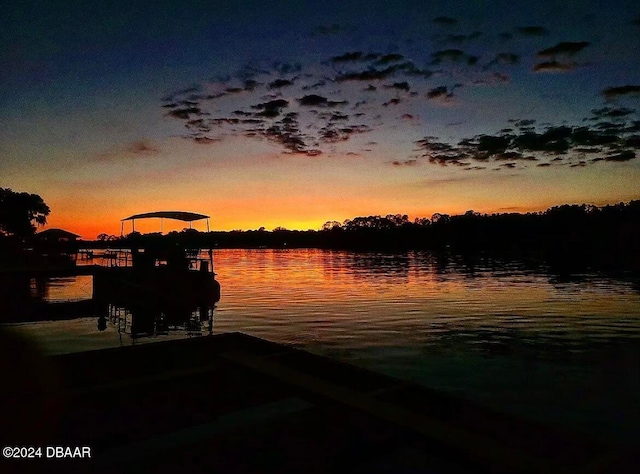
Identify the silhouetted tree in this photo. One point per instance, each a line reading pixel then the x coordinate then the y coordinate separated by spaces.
pixel 19 212
pixel 330 225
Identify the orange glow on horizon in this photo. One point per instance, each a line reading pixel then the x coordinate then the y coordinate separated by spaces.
pixel 89 227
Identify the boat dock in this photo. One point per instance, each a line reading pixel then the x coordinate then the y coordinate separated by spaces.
pixel 236 403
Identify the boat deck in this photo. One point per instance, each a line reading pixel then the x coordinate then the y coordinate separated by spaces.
pixel 235 403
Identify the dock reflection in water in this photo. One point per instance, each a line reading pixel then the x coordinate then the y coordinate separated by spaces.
pixel 515 336
pixel 152 299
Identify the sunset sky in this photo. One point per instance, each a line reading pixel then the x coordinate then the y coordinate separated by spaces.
pixel 296 113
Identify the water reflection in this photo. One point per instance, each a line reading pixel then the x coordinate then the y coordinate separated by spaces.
pixel 135 314
pixel 510 333
pixel 142 321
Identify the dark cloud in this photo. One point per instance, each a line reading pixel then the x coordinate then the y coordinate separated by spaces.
pixel 390 58
pixel 508 59
pixel 205 140
pixel 439 92
pixel 633 141
pixel 338 116
pixel 331 134
pixel 625 155
pixel 411 162
pixel 198 124
pixel 532 31
pixel 273 108
pixel 403 86
pixel 286 132
pixel 554 141
pixel 250 85
pixel 445 21
pixel 554 66
pixel 523 122
pixel 442 93
pixel 254 105
pixel 612 112
pixel 224 120
pixel 615 92
pixel 566 48
pixel 506 36
pixel 314 100
pixel 375 74
pixel 368 75
pixel 279 83
pixel 346 57
pixel 186 113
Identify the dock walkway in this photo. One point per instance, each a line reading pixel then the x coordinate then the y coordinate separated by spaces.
pixel 238 404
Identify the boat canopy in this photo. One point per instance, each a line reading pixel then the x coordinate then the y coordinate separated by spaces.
pixel 177 215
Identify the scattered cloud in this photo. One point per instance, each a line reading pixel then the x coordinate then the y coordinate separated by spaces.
pixel 273 108
pixel 186 113
pixel 508 59
pixel 615 92
pixel 279 83
pixel 403 86
pixel 348 57
pixel 411 162
pixel 314 100
pixel 554 66
pixel 306 111
pixel 206 140
pixel 551 147
pixel 566 48
pixel 440 92
pixel 625 155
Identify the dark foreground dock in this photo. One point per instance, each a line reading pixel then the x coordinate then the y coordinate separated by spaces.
pixel 232 403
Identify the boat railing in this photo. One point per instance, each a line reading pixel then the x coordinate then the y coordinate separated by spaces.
pixel 196 259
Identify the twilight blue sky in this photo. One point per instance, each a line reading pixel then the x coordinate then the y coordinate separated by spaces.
pixel 295 113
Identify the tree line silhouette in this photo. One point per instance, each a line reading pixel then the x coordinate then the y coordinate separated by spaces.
pixel 584 235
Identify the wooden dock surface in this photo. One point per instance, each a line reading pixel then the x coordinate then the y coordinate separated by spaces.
pixel 235 403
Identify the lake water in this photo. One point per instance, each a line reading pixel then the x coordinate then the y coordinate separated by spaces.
pixel 522 340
